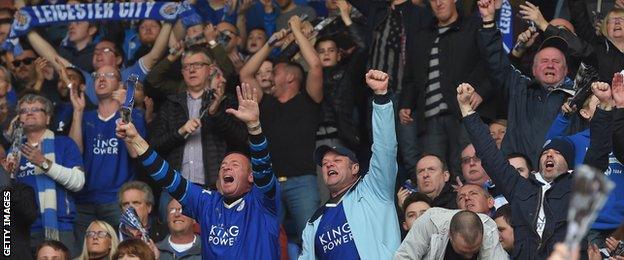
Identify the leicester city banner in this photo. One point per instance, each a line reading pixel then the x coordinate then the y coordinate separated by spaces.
pixel 42 15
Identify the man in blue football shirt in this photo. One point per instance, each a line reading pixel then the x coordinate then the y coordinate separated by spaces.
pixel 359 219
pixel 106 159
pixel 105 53
pixel 241 220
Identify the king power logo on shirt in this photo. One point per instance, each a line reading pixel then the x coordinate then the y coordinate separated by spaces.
pixel 106 146
pixel 223 236
pixel 335 237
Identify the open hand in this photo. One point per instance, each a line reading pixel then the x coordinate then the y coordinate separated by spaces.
pixel 617 89
pixel 248 110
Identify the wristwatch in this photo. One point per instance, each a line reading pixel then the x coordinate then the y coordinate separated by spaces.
pixel 45 166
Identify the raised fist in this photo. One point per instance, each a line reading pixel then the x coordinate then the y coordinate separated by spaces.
pixel 378 81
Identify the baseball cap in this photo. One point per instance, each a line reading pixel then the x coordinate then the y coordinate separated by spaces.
pixel 555 42
pixel 320 152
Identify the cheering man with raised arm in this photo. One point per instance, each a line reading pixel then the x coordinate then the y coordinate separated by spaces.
pixel 360 216
pixel 539 203
pixel 240 221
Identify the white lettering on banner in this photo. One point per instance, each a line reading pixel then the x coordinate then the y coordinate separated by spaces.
pixel 61 13
pixel 148 8
pixel 221 236
pixel 108 10
pixel 105 146
pixel 89 12
pixel 505 17
pixel 81 12
pixel 125 9
pixel 336 237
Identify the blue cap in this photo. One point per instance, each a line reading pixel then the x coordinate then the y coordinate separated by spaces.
pixel 320 152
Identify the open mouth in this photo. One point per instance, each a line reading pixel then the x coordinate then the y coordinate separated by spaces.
pixel 332 173
pixel 549 164
pixel 228 179
pixel 178 221
pixel 549 74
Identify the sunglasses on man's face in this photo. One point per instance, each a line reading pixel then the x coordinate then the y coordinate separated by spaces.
pixel 26 61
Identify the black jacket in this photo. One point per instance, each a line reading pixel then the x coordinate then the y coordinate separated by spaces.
pixel 597 50
pixel 376 12
pixel 460 62
pixel 447 198
pixel 532 108
pixel 23 214
pixel 525 195
pixel 219 133
pixel 339 88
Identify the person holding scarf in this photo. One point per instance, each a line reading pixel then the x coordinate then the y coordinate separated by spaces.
pixel 52 166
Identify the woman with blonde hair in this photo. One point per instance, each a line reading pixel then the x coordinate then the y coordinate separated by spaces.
pixel 100 242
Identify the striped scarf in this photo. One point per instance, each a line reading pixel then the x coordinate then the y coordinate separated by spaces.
pixel 46 190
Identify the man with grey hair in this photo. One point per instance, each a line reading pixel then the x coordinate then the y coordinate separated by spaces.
pixel 452 234
pixel 139 195
pixel 52 166
pixel 192 130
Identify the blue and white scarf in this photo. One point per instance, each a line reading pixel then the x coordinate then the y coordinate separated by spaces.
pixel 505 25
pixel 46 190
pixel 43 15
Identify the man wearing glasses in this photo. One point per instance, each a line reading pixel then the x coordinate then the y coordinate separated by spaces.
pixel 52 166
pixel 192 130
pixel 23 68
pixel 106 159
pixel 105 53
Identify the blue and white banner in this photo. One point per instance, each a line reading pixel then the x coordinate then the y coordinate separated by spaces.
pixel 42 15
pixel 505 25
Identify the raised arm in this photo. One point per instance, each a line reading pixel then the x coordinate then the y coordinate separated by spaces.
pixel 78 101
pixel 314 80
pixel 44 49
pixel 383 167
pixel 159 47
pixel 491 47
pixel 248 72
pixel 492 159
pixel 249 112
pixel 601 125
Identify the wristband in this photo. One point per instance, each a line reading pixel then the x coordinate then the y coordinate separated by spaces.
pixel 253 128
pixel 489 22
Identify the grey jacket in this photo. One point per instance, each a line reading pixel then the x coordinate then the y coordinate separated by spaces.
pixel 167 252
pixel 428 237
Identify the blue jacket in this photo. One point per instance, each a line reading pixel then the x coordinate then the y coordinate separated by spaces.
pixel 532 108
pixel 612 214
pixel 525 195
pixel 369 207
